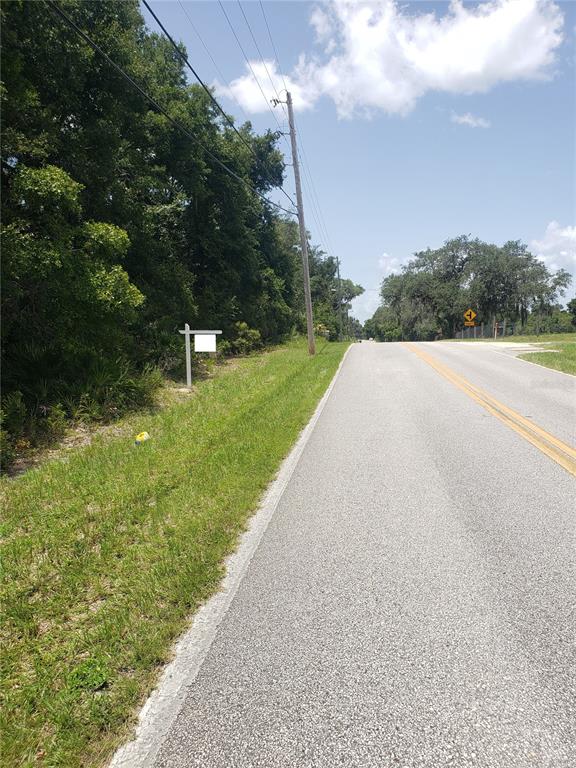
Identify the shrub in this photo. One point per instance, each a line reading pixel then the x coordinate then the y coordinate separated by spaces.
pixel 14 414
pixel 108 390
pixel 55 421
pixel 7 452
pixel 247 339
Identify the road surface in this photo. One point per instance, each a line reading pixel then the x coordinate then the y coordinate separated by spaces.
pixel 412 601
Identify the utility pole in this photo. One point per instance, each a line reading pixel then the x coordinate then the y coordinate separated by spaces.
pixel 340 307
pixel 301 224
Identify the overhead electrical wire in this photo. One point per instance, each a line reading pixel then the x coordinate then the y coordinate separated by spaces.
pixel 315 209
pixel 250 67
pixel 273 46
pixel 309 181
pixel 262 59
pixel 71 23
pixel 205 87
pixel 315 198
pixel 315 205
pixel 212 59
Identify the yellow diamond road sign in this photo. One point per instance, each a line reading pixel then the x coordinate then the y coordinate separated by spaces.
pixel 469 315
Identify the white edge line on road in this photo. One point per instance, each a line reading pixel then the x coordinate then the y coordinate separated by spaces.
pixel 164 703
pixel 520 359
pixel 531 362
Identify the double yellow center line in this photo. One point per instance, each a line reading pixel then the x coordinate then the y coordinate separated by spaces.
pixel 558 451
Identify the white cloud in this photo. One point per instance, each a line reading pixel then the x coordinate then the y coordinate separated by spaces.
pixel 388 265
pixel 323 26
pixel 367 303
pixel 247 93
pixel 382 56
pixel 557 248
pixel 470 120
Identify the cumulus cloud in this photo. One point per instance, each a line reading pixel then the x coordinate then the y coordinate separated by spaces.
pixel 367 303
pixel 557 248
pixel 246 91
pixel 470 120
pixel 382 56
pixel 389 265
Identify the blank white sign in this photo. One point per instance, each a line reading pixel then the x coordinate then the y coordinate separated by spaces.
pixel 204 342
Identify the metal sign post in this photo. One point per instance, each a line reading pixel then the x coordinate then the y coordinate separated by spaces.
pixel 206 342
pixel 469 316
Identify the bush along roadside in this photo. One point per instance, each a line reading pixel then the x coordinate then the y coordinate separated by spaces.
pixel 109 551
pixel 33 418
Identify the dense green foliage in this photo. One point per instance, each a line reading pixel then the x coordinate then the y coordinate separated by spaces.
pixel 428 298
pixel 118 227
pixel 571 307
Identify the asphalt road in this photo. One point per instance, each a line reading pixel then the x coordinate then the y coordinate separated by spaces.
pixel 412 600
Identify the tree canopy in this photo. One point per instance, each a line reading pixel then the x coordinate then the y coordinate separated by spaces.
pixel 429 297
pixel 119 226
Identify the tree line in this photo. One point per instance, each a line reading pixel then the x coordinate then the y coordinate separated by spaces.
pixel 117 227
pixel 427 300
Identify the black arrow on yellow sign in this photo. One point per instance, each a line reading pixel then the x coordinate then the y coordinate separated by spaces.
pixel 469 315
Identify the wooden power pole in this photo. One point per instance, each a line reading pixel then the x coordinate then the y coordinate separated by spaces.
pixel 302 225
pixel 340 307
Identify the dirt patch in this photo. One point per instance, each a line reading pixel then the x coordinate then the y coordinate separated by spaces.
pixel 80 435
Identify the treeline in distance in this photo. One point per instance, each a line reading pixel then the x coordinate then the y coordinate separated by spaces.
pixel 427 300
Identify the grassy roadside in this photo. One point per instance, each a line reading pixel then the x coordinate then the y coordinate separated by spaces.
pixel 560 357
pixel 109 551
pixel 558 349
pixel 544 337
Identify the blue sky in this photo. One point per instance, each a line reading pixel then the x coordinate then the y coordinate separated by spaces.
pixel 420 121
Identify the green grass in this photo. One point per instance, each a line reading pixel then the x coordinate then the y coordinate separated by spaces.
pixel 544 337
pixel 109 550
pixel 558 349
pixel 561 357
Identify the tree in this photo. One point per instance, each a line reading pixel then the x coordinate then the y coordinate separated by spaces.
pixel 571 307
pixel 67 300
pixel 118 224
pixel 428 299
pixel 198 236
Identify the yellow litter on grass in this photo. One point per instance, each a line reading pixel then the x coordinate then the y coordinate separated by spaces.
pixel 141 438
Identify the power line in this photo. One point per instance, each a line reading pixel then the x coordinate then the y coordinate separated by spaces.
pixel 217 68
pixel 52 4
pixel 316 209
pixel 315 198
pixel 212 59
pixel 273 46
pixel 250 66
pixel 262 59
pixel 320 221
pixel 206 89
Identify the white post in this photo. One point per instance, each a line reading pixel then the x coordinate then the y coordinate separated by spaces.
pixel 188 356
pixel 208 346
